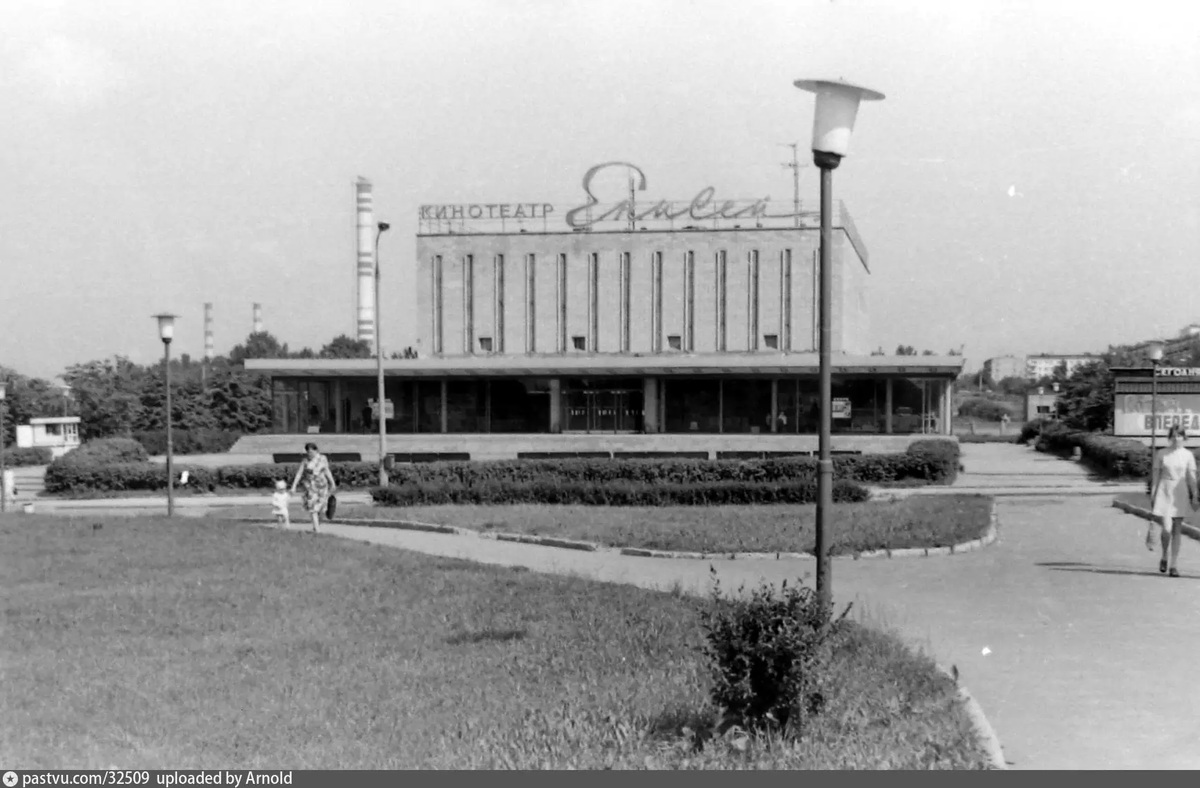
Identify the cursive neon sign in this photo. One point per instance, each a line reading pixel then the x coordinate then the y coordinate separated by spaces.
pixel 701 208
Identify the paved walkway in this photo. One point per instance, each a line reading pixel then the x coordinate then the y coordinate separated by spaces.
pixel 1081 628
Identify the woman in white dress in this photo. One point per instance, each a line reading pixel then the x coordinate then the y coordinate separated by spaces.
pixel 1175 495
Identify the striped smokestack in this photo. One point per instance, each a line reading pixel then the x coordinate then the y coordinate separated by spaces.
pixel 208 332
pixel 258 323
pixel 365 209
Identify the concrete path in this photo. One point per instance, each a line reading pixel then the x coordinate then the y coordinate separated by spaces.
pixel 1006 469
pixel 1089 645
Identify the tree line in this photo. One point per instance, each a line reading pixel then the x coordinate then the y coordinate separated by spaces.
pixel 118 397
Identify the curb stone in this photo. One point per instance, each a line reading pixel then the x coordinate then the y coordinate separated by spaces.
pixel 1144 513
pixel 988 538
pixel 979 722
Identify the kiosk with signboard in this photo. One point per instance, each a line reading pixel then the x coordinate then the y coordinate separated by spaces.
pixel 1136 413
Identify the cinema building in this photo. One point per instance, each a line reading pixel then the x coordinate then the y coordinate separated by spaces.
pixel 684 328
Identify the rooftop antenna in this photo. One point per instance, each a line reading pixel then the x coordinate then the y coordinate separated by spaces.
pixel 794 165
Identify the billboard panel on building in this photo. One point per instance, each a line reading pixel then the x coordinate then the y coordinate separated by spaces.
pixel 1138 409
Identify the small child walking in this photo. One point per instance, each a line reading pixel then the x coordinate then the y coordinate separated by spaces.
pixel 279 504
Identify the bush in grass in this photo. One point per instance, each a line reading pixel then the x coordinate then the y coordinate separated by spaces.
pixel 120 477
pixel 105 451
pixel 1116 457
pixel 188 441
pixel 1030 430
pixel 22 457
pixel 613 493
pixel 984 409
pixel 766 654
pixel 1012 437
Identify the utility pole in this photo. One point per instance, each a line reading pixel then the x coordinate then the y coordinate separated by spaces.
pixel 794 165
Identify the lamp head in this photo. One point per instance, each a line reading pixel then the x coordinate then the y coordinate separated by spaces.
pixel 166 327
pixel 1155 351
pixel 833 116
pixel 383 227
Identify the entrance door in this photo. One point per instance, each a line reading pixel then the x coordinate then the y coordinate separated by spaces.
pixel 603 408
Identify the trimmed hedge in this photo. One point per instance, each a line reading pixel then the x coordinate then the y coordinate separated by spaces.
pixel 1116 457
pixel 1012 437
pixel 104 451
pixel 20 457
pixel 188 441
pixel 934 461
pixel 614 493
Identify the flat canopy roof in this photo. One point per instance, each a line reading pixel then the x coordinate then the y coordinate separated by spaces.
pixel 55 420
pixel 599 365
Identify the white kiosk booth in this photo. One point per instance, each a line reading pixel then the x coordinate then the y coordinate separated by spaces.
pixel 59 434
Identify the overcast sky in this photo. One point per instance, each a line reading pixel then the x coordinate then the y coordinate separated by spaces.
pixel 1030 184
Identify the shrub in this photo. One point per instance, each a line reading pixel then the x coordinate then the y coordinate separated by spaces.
pixel 1031 429
pixel 613 493
pixel 188 441
pixel 985 409
pixel 766 655
pixel 19 457
pixel 1012 437
pixel 105 451
pixel 1116 457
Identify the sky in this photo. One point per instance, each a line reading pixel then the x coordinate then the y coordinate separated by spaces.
pixel 1030 183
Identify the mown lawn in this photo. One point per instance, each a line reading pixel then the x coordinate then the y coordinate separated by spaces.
pixel 202 643
pixel 916 521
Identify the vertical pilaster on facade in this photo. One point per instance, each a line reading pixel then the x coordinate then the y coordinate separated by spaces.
pixel 530 303
pixel 468 281
pixel 556 404
pixel 437 306
pixel 888 406
pixel 720 303
pixel 625 301
pixel 365 269
pixel 561 280
pixel 498 304
pixel 752 301
pixel 947 407
pixel 650 405
pixel 445 401
pixel 689 302
pixel 656 301
pixel 593 299
pixel 785 300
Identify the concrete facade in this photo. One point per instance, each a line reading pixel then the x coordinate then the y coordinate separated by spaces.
pixel 1040 366
pixel 1002 367
pixel 698 291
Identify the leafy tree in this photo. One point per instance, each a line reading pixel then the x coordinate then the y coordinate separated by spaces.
pixel 108 394
pixel 258 345
pixel 1013 385
pixel 27 398
pixel 1085 400
pixel 954 352
pixel 906 350
pixel 407 353
pixel 926 352
pixel 878 351
pixel 345 347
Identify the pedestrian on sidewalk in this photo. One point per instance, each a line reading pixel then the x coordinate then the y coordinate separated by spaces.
pixel 1175 497
pixel 317 478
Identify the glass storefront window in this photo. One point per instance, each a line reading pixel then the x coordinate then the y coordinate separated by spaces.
pixel 466 406
pixel 915 405
pixel 746 406
pixel 691 405
pixel 520 405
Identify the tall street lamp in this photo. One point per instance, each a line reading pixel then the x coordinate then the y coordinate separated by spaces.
pixel 166 332
pixel 1155 351
pixel 833 121
pixel 382 417
pixel 3 480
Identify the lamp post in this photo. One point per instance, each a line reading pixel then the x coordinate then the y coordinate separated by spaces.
pixel 1155 351
pixel 3 480
pixel 166 332
pixel 383 474
pixel 833 121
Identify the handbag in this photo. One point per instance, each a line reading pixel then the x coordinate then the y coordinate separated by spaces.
pixel 331 507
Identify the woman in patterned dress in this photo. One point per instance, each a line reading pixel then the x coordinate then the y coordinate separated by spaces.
pixel 1175 496
pixel 317 478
